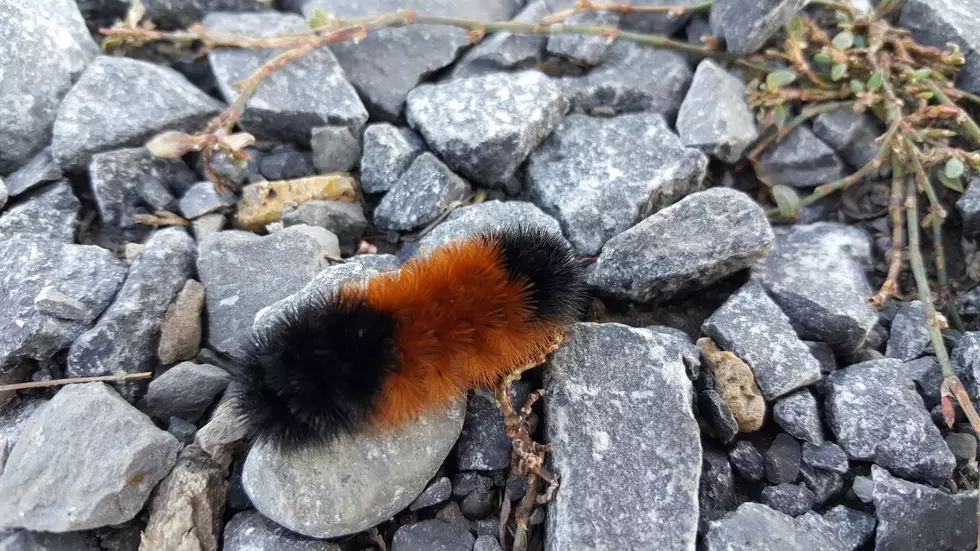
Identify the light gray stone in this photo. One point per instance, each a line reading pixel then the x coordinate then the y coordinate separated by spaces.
pixel 123 102
pixel 423 192
pixel 817 275
pixel 46 46
pixel 599 177
pixel 963 445
pixel 308 92
pixel 52 302
pixel 800 160
pixel 909 335
pixel 75 472
pixel 432 535
pixel 120 177
pixel 631 78
pixel 751 326
pixel 755 527
pixel 746 25
pixel 250 531
pixel 659 23
pixel 584 50
pixel 378 262
pixel 207 225
pixel 799 415
pixel 965 360
pixel 39 169
pixel 181 13
pixel 335 149
pixel 486 543
pixel 939 22
pixel 243 273
pixel 388 63
pixel 790 499
pixel 850 527
pixel 687 246
pixel 4 194
pixel 388 152
pixel 715 117
pixel 484 127
pixel 436 493
pixel 625 441
pixel 125 338
pixel 345 220
pixel 951 524
pixel 28 264
pixel 50 212
pixel 185 391
pixel 851 135
pixel 499 51
pixel 877 416
pixel 203 199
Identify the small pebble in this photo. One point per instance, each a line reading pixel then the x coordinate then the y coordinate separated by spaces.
pixel 783 460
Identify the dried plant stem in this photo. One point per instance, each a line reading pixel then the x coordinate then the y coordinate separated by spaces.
pixel 60 382
pixel 587 6
pixel 889 289
pixel 963 120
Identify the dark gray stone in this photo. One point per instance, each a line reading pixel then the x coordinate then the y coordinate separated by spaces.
pixel 751 326
pixel 877 416
pixel 88 274
pixel 432 535
pixel 968 205
pixel 614 391
pixel 125 338
pixel 477 494
pixel 816 273
pixel 825 485
pixel 335 149
pixel 658 23
pixel 14 416
pixel 800 160
pixel 486 543
pixel 716 492
pixel 436 493
pixel 715 117
pixel 747 461
pixel 849 527
pixel 243 273
pixel 630 78
pixel 185 391
pixel 182 430
pixel 827 456
pixel 308 92
pixel 250 531
pixel 388 63
pixel 790 499
pixel 50 212
pixel 81 474
pixel 851 135
pixel 746 25
pixel 345 220
pixel 963 446
pixel 584 50
pixel 928 377
pixel 939 22
pixel 123 102
pixel 943 520
pixel 484 127
pixel 799 415
pixel 755 527
pixel 22 540
pixel 285 162
pixel 118 178
pixel 687 246
pixel 499 51
pixel 181 13
pixel 423 192
pixel 39 169
pixel 597 196
pixel 484 445
pixel 202 199
pixel 46 48
pixel 714 408
pixel 965 359
pixel 909 335
pixel 388 152
pixel 783 460
pixel 4 194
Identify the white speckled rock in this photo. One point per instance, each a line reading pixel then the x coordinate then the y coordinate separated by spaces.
pixel 755 527
pixel 423 192
pixel 50 212
pixel 625 442
pixel 250 531
pixel 715 117
pixel 746 25
pixel 388 152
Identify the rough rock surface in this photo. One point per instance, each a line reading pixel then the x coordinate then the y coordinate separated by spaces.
pixel 746 25
pixel 939 22
pixel 782 460
pixel 755 527
pixel 122 102
pixel 181 13
pixel 735 383
pixel 505 50
pixel 432 535
pixel 484 127
pixel 637 463
pixel 715 117
pixel 50 212
pixel 335 149
pixel 584 50
pixel 968 206
pixel 436 493
pixel 816 273
pixel 800 160
pixel 75 472
pixel 185 391
pixel 942 520
pixel 750 325
pixel 345 220
pixel 202 199
pixel 600 176
pixel 747 460
pixel 122 178
pixel 243 273
pixel 180 330
pixel 791 499
pixel 46 46
pixel 799 415
pixel 422 193
pixel 39 169
pixel 695 242
pixel 851 135
pixel 250 531
pixel 827 456
pixel 484 445
pixel 388 152
pixel 308 92
pixel 126 337
pixel 877 416
pixel 908 336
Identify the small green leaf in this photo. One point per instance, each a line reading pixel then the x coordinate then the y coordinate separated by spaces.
pixel 860 42
pixel 823 57
pixel 842 18
pixel 843 40
pixel 955 48
pixel 837 71
pixel 954 168
pixel 921 74
pixel 952 183
pixel 796 25
pixel 925 95
pixel 876 80
pixel 926 221
pixel 779 115
pixel 787 201
pixel 856 86
pixel 780 78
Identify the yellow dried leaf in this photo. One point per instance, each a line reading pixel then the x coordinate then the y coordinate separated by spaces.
pixel 263 202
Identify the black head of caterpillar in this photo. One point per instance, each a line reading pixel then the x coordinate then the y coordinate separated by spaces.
pixel 315 372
